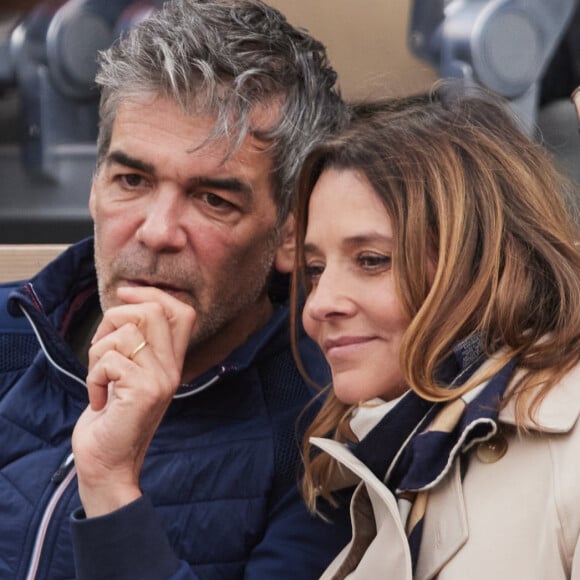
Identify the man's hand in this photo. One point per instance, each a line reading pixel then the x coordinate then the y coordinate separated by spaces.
pixel 135 365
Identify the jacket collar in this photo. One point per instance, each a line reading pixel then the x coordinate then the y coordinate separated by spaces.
pixel 558 411
pixel 386 528
pixel 445 531
pixel 50 296
pixel 268 339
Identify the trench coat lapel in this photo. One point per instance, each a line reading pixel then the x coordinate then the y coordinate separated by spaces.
pixel 445 528
pixel 387 550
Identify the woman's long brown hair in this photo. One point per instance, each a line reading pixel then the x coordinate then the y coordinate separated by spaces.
pixel 470 192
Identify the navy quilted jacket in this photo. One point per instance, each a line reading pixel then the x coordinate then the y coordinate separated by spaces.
pixel 219 481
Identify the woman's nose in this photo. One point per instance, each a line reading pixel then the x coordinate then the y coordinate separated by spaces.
pixel 329 297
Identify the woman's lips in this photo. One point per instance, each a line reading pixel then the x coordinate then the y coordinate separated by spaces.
pixel 345 345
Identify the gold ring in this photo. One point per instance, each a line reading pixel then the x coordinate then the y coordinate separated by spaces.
pixel 137 350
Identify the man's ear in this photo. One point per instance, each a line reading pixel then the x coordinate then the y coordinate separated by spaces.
pixel 92 200
pixel 576 100
pixel 284 260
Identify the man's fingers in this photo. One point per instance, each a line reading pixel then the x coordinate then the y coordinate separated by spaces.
pixel 139 348
pixel 140 384
pixel 181 316
pixel 130 325
pixel 124 340
pixel 98 381
pixel 148 308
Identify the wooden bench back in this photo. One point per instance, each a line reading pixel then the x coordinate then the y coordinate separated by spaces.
pixel 20 261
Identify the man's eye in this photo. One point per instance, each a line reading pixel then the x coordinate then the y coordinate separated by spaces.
pixel 131 180
pixel 218 202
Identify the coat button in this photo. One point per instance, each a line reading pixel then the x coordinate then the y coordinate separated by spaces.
pixel 493 449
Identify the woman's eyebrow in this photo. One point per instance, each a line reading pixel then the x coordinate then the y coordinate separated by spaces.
pixel 355 240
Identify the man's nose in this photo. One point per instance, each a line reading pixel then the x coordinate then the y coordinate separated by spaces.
pixel 162 228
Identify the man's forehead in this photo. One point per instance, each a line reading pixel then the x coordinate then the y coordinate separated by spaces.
pixel 207 131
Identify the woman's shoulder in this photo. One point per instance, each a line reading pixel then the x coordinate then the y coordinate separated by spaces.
pixel 559 410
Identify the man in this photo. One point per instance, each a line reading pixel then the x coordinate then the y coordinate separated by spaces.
pixel 575 97
pixel 185 451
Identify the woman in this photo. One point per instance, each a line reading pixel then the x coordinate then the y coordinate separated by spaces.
pixel 442 276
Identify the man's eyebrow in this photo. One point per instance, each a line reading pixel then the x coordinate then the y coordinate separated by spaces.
pixel 128 161
pixel 232 184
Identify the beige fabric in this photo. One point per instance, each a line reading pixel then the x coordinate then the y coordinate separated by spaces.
pixel 21 261
pixel 518 517
pixel 385 528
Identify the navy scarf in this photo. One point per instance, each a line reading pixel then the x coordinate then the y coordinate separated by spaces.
pixel 417 441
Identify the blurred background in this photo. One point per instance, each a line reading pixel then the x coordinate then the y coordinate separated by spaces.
pixel 526 50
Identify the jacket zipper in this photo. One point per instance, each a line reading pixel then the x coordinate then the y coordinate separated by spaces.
pixel 63 475
pixel 66 472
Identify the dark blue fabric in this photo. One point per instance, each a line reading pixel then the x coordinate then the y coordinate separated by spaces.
pixel 382 444
pixel 18 345
pixel 220 478
pixel 137 525
pixel 415 542
pixel 429 452
pixel 403 451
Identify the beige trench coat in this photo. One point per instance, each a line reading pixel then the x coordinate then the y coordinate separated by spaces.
pixel 516 517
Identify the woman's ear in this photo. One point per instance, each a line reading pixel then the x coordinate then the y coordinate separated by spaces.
pixel 284 260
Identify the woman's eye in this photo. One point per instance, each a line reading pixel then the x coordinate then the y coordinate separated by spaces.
pixel 374 261
pixel 312 272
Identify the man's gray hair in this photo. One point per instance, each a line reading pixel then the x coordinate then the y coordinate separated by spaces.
pixel 227 58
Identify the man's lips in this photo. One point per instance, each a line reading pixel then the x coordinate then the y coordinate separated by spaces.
pixel 164 286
